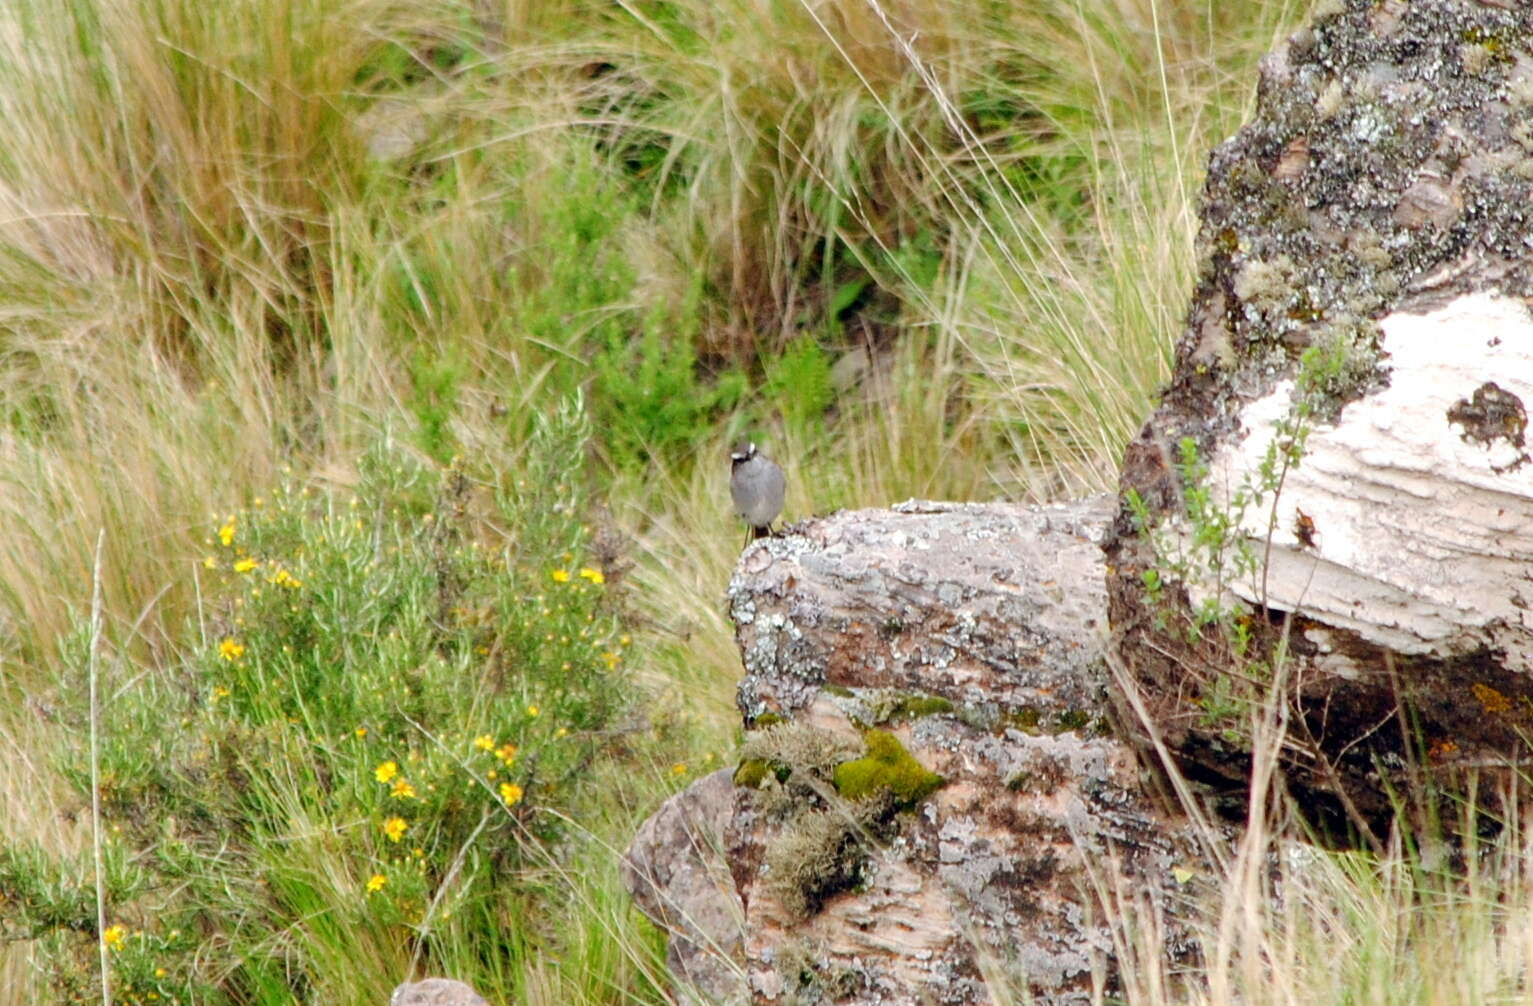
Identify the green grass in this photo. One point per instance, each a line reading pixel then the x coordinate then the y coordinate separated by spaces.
pixel 390 710
pixel 511 278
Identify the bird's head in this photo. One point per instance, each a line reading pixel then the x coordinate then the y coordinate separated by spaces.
pixel 742 452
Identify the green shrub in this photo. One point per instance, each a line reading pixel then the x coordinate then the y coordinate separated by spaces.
pixel 650 397
pixel 435 379
pixel 390 706
pixel 799 382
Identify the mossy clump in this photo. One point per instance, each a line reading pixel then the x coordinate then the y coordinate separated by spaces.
pixel 822 840
pixel 751 773
pixel 918 706
pixel 1035 723
pixel 811 977
pixel 1073 719
pixel 815 857
pixel 886 766
pixel 766 720
pixel 896 707
pixel 1024 719
pixel 797 757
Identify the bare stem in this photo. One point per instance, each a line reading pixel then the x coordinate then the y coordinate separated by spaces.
pixel 95 772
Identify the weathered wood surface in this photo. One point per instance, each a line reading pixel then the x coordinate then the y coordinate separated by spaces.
pixel 972 635
pixel 1378 211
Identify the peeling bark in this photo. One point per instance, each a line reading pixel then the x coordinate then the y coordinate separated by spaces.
pixel 1393 555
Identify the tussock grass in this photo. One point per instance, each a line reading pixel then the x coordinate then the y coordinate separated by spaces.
pixel 915 248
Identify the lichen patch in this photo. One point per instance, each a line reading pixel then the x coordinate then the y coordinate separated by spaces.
pixel 1492 413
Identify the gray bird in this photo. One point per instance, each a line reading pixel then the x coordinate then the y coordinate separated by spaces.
pixel 756 485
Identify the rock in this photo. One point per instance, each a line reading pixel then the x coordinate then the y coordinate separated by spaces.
pixel 676 872
pixel 436 992
pixel 393 128
pixel 1339 465
pixel 952 653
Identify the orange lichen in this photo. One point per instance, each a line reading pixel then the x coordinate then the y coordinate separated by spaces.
pixel 1492 700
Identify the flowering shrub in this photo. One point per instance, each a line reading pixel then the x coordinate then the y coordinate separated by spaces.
pixel 391 705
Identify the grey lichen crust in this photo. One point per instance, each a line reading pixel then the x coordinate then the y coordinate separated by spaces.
pixel 1387 171
pixel 930 786
pixel 1389 163
pixel 917 602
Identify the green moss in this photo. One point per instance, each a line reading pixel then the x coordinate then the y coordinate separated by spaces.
pixel 1024 719
pixel 913 707
pixel 765 720
pixel 836 690
pixel 800 756
pixel 1073 719
pixel 811 977
pixel 751 773
pixel 821 847
pixel 1034 723
pixel 883 706
pixel 887 766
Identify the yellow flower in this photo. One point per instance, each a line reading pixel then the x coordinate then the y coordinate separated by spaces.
pixel 625 639
pixel 506 753
pixel 160 972
pixel 402 790
pixel 680 768
pixel 245 565
pixel 395 827
pixel 230 650
pixel 210 563
pixel 511 793
pixel 375 883
pixel 561 575
pixel 360 731
pixel 610 658
pixel 220 692
pixel 561 732
pixel 283 578
pixel 226 533
pixel 386 771
pixel 533 711
pixel 484 742
pixel 114 936
pixel 594 575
